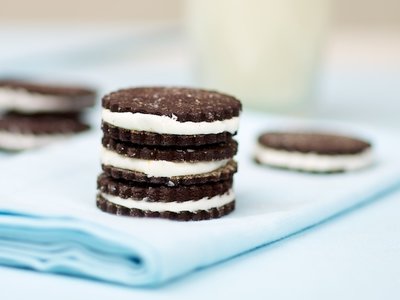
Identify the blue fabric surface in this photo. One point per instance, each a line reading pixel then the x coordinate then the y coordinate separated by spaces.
pixel 49 222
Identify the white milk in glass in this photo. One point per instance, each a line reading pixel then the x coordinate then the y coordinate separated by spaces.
pixel 263 51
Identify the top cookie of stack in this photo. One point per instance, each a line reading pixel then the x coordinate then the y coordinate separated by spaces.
pixel 33 98
pixel 170 116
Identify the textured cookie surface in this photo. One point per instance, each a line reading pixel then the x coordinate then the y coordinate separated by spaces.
pixel 326 144
pixel 221 174
pixel 198 215
pixel 184 104
pixel 152 138
pixel 159 193
pixel 203 153
pixel 41 123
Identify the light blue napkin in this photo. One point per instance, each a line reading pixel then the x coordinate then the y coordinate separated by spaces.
pixel 49 221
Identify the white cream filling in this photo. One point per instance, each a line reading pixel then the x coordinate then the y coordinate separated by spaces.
pixel 191 205
pixel 312 161
pixel 28 102
pixel 22 141
pixel 167 125
pixel 159 168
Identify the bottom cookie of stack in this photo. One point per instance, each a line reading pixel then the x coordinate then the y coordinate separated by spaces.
pixel 22 132
pixel 184 203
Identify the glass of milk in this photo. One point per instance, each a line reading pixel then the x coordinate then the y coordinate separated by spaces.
pixel 265 52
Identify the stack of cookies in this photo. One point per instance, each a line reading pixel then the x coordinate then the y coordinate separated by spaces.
pixel 168 153
pixel 34 115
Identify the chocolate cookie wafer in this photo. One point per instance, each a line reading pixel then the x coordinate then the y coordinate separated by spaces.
pixel 170 116
pixel 195 202
pixel 313 152
pixel 20 132
pixel 168 165
pixel 223 173
pixel 27 97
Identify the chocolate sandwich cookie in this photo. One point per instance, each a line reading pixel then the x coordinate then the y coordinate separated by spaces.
pixel 194 202
pixel 168 165
pixel 170 116
pixel 20 132
pixel 26 97
pixel 313 152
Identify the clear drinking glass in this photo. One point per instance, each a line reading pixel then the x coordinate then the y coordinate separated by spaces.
pixel 263 51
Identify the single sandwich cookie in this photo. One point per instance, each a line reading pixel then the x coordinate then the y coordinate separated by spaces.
pixel 30 98
pixel 313 152
pixel 170 116
pixel 21 132
pixel 195 202
pixel 168 165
